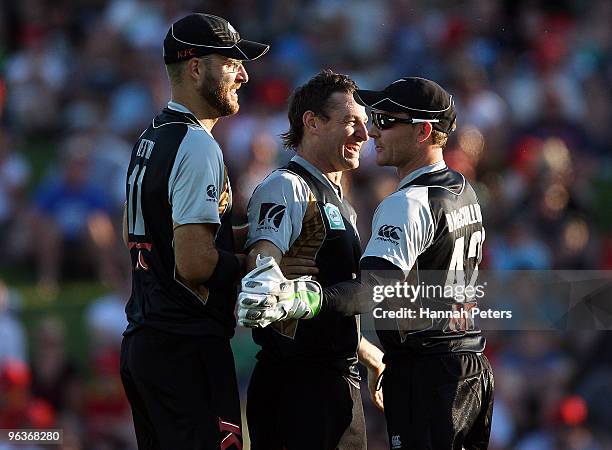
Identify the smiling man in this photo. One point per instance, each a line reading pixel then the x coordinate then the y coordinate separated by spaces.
pixel 306 371
pixel 177 366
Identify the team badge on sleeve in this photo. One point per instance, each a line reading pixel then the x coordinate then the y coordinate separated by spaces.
pixel 211 193
pixel 270 216
pixel 389 233
pixel 334 217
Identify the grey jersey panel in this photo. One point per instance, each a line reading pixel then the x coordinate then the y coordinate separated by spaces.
pixel 196 179
pixel 277 208
pixel 402 228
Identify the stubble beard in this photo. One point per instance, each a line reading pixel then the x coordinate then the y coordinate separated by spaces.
pixel 382 160
pixel 218 96
pixel 351 163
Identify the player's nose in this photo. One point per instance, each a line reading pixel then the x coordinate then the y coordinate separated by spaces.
pixel 361 132
pixel 242 76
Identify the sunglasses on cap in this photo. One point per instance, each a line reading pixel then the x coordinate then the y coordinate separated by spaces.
pixel 384 122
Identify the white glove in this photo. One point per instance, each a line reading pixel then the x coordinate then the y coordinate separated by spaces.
pixel 267 296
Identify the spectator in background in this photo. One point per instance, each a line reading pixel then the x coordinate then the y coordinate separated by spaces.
pixel 72 225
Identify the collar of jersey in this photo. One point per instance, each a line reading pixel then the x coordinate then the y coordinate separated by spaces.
pixel 318 174
pixel 421 170
pixel 174 106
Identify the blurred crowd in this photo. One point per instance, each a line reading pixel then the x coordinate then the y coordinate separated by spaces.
pixel 80 80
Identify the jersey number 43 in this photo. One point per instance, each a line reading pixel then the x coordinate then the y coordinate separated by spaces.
pixel 463 268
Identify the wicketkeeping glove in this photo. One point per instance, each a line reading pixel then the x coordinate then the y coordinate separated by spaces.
pixel 267 296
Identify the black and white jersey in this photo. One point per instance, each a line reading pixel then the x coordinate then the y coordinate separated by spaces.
pixel 305 215
pixel 431 228
pixel 176 176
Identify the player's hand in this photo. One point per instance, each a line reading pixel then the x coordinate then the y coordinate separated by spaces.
pixel 267 296
pixel 294 267
pixel 374 378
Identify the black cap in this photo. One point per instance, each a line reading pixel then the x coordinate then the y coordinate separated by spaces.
pixel 204 34
pixel 418 97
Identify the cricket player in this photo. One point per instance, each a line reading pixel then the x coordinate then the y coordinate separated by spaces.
pixel 177 366
pixel 307 370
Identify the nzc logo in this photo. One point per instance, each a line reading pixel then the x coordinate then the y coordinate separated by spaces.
pixel 389 232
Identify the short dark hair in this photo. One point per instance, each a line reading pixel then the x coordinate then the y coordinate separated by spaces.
pixel 313 96
pixel 175 72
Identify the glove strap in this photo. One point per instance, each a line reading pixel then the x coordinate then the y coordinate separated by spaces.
pixel 308 294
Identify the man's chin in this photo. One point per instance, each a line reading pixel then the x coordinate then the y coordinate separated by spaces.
pixel 229 110
pixel 235 106
pixel 351 163
pixel 382 162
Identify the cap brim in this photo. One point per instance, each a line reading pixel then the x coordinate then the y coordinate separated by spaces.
pixel 377 100
pixel 245 50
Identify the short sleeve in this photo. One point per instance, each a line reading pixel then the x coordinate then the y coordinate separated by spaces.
pixel 196 180
pixel 277 209
pixel 402 228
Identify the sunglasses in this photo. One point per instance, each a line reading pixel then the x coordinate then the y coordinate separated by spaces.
pixel 384 122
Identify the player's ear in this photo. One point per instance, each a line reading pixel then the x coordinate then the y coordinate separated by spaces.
pixel 309 119
pixel 196 67
pixel 424 132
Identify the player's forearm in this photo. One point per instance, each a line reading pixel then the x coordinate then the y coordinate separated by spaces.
pixel 369 355
pixel 219 269
pixel 348 298
pixel 200 263
pixel 263 248
pixel 353 297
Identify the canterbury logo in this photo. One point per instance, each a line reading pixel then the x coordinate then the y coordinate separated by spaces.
pixel 271 215
pixel 389 232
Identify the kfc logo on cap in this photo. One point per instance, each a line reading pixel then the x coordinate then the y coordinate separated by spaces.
pixel 180 54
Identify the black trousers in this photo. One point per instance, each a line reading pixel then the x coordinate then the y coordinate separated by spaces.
pixel 439 402
pixel 182 390
pixel 302 407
